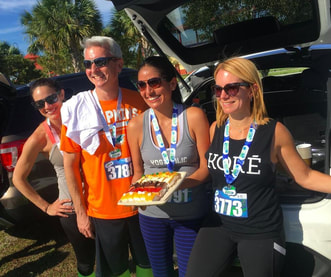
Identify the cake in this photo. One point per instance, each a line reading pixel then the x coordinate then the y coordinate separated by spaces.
pixel 150 187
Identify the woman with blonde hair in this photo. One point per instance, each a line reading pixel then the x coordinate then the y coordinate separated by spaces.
pixel 245 147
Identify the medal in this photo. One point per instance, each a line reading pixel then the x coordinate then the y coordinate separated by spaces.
pixel 116 153
pixel 229 190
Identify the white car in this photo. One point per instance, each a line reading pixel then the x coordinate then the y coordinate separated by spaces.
pixel 297 88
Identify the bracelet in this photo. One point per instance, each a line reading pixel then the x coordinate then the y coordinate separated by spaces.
pixel 46 208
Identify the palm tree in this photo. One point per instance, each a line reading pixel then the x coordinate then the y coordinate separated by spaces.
pixel 62 24
pixel 134 46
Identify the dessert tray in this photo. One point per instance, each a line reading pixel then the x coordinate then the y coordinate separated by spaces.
pixel 152 189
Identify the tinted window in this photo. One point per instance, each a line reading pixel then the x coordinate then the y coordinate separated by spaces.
pixel 198 21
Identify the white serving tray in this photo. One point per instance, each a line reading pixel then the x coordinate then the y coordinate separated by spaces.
pixel 163 199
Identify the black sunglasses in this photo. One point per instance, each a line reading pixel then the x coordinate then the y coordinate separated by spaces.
pixel 99 62
pixel 50 99
pixel 153 83
pixel 231 89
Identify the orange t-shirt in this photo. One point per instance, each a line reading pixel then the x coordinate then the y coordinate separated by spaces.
pixel 108 172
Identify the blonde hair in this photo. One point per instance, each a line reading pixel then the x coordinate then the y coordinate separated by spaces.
pixel 247 71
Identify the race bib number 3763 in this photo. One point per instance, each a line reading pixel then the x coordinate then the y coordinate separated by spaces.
pixel 231 205
pixel 118 169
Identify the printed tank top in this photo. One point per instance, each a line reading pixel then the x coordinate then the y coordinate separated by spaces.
pixel 256 182
pixel 184 204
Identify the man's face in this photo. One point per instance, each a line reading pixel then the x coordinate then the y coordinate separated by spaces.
pixel 103 77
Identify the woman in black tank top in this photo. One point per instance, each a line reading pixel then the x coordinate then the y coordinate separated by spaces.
pixel 245 147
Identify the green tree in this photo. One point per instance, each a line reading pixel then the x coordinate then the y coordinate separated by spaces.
pixel 61 24
pixel 221 13
pixel 134 46
pixel 14 66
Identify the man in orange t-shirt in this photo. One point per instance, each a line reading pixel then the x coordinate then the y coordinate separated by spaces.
pixel 96 153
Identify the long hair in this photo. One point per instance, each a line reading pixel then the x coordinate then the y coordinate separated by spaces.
pixel 166 70
pixel 247 71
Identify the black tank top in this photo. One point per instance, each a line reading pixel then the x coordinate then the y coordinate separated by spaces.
pixel 256 180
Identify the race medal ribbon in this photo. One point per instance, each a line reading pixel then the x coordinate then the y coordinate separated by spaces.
pixel 243 154
pixel 110 132
pixel 169 161
pixel 227 201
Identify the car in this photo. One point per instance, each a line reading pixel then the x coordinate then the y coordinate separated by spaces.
pixel 18 120
pixel 289 41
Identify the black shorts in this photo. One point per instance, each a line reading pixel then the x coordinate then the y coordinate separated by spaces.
pixel 114 238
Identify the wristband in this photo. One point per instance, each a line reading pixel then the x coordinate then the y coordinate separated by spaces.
pixel 46 208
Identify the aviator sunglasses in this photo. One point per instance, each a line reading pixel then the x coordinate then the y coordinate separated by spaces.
pixel 50 99
pixel 231 89
pixel 153 83
pixel 99 62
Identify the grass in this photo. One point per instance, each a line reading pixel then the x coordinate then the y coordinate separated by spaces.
pixel 38 249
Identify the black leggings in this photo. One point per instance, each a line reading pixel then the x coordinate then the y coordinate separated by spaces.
pixel 215 249
pixel 84 248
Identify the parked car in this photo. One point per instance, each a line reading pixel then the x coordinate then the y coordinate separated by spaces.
pixel 18 120
pixel 296 80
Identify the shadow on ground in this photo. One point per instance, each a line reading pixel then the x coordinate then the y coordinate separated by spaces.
pixel 37 245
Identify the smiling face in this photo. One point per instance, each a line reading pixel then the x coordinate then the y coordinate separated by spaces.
pixel 155 97
pixel 238 105
pixel 104 77
pixel 51 111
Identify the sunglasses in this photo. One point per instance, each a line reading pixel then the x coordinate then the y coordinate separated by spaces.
pixel 153 83
pixel 51 99
pixel 231 89
pixel 99 62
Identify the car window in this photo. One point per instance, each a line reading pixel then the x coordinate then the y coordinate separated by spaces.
pixel 192 26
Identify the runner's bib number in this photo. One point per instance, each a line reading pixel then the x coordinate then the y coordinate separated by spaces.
pixel 118 169
pixel 181 196
pixel 231 205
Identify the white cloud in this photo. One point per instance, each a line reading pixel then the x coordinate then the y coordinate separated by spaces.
pixel 6 5
pixel 10 30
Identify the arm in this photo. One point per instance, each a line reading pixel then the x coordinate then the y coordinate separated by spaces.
pixel 134 128
pixel 74 182
pixel 199 130
pixel 35 144
pixel 285 152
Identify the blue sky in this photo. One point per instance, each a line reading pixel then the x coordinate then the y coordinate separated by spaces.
pixel 11 29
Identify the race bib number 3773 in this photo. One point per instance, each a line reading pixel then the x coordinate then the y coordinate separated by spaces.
pixel 118 169
pixel 231 205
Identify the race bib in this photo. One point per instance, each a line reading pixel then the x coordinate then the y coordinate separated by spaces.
pixel 181 196
pixel 229 203
pixel 118 169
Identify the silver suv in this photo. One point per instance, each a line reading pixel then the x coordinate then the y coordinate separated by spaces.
pixel 289 42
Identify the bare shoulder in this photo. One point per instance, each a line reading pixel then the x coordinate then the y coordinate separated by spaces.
pixel 38 140
pixel 282 134
pixel 136 123
pixel 196 114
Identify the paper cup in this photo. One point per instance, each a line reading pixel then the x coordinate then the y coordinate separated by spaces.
pixel 304 151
